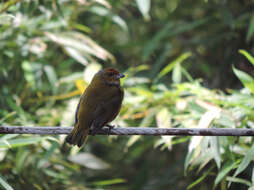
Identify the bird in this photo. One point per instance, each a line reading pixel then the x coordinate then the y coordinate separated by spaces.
pixel 98 106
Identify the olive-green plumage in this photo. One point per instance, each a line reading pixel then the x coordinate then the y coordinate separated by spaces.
pixel 99 105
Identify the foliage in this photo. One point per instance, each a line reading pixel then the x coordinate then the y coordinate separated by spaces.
pixel 51 49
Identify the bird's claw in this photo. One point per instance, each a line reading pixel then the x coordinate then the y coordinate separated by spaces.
pixel 93 131
pixel 109 127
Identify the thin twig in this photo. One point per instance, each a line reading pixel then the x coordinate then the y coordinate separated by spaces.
pixel 131 131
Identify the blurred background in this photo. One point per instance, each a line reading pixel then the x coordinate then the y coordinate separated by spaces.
pixel 188 64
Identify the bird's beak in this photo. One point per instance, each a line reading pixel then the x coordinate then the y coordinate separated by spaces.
pixel 120 75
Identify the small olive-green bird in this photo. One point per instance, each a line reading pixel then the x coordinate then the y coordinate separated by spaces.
pixel 99 105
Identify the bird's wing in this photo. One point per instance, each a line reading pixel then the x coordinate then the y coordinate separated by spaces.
pixel 76 113
pixel 107 111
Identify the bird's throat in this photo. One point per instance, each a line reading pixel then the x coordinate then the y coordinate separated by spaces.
pixel 113 83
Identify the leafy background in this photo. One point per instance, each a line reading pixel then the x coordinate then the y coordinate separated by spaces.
pixel 188 63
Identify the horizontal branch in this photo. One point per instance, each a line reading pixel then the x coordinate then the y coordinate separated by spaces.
pixel 131 131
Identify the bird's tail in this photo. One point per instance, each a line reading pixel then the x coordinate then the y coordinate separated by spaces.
pixel 77 136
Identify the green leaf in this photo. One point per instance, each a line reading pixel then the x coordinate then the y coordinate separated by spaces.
pixel 176 74
pixel 238 180
pixel 188 159
pixel 163 119
pixel 51 74
pixel 215 146
pixel 247 55
pixel 110 182
pixel 171 65
pixel 199 180
pixel 48 154
pixel 154 43
pixel 225 170
pixel 246 79
pixel 245 162
pixel 252 176
pixel 144 123
pixel 8 136
pixel 7 116
pixel 13 143
pixel 107 13
pixel 4 184
pixel 79 44
pixel 250 29
pixel 90 161
pixel 6 19
pixel 144 7
pixel 21 158
pixel 29 74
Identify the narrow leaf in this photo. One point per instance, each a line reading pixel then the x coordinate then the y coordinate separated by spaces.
pixel 110 182
pixel 5 185
pixel 199 180
pixel 246 79
pixel 170 66
pixel 245 162
pixel 144 8
pixel 247 55
pixel 250 29
pixel 215 146
pixel 224 171
pixel 20 142
pixel 238 180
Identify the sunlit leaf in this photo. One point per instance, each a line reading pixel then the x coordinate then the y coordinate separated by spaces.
pixel 246 79
pixel 200 179
pixel 90 71
pixel 171 65
pixel 6 18
pixel 245 162
pixel 21 159
pixel 188 159
pixel 110 182
pixel 90 161
pixel 144 8
pixel 215 147
pixel 252 176
pixel 51 74
pixel 4 184
pixel 238 180
pixel 246 54
pixel 163 119
pixel 13 143
pixel 145 123
pixel 176 73
pixel 106 12
pixel 82 44
pixel 8 136
pixel 229 165
pixel 76 54
pixel 80 84
pixel 29 74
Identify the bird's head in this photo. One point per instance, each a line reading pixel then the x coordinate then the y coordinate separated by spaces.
pixel 109 76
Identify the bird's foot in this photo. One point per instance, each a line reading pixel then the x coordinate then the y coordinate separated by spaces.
pixel 109 127
pixel 94 131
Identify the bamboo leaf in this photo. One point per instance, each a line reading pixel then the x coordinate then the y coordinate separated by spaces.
pixel 245 162
pixel 250 29
pixel 144 8
pixel 171 65
pixel 246 79
pixel 224 171
pixel 4 184
pixel 247 55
